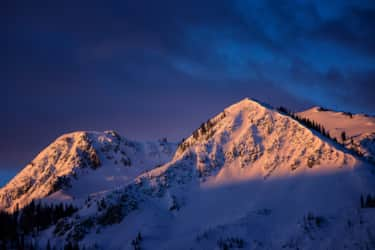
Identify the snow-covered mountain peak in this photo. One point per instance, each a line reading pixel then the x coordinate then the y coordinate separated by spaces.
pixel 80 163
pixel 246 163
pixel 249 165
pixel 248 103
pixel 250 139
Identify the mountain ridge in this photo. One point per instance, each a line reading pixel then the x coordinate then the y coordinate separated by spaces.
pixel 216 164
pixel 358 129
pixel 246 171
pixel 74 155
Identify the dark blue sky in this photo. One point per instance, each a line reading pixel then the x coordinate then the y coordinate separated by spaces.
pixel 150 69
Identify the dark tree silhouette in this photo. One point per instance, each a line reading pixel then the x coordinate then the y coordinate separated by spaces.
pixel 28 221
pixel 306 122
pixel 343 136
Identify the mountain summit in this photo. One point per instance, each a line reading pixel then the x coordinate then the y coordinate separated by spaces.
pixel 251 139
pixel 250 177
pixel 80 163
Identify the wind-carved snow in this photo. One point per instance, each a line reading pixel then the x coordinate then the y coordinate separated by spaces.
pixel 248 176
pixel 359 129
pixel 82 163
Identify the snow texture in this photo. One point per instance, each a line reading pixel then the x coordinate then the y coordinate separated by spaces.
pixel 248 178
pixel 359 129
pixel 82 163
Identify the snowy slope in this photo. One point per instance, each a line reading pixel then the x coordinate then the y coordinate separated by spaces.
pixel 81 163
pixel 359 128
pixel 250 177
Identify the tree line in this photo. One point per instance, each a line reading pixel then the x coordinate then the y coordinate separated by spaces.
pixel 18 228
pixel 312 124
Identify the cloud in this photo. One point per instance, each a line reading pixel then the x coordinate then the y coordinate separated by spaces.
pixel 352 30
pixel 127 64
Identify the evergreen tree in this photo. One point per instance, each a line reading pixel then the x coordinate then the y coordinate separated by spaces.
pixel 139 236
pixel 28 221
pixel 32 246
pixel 368 201
pixel 48 247
pixel 343 136
pixel 68 246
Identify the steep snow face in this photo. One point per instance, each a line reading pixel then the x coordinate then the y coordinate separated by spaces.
pixel 249 173
pixel 359 128
pixel 81 163
pixel 250 140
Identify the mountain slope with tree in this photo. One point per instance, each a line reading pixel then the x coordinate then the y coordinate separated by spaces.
pixel 250 178
pixel 354 131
